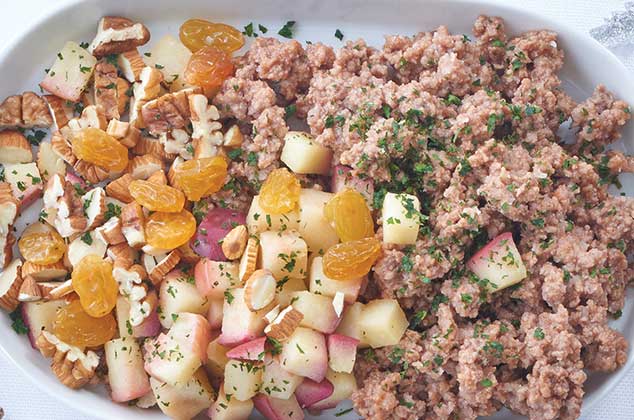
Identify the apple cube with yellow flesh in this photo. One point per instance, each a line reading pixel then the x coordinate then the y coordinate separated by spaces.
pixel 230 408
pixel 401 219
pixel 70 73
pixel 284 254
pixel 276 381
pixel 350 324
pixel 304 156
pixel 382 323
pixel 305 354
pixel 239 324
pixel 319 313
pixel 185 400
pixel 217 358
pixel 170 56
pixel 259 221
pixel 287 288
pixel 178 293
pixel 242 379
pixel 313 226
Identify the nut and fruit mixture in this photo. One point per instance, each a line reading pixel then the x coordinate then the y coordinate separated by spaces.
pixel 295 226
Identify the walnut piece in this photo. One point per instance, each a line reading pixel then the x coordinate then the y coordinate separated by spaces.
pixel 28 110
pixel 72 367
pixel 116 35
pixel 106 93
pixel 168 112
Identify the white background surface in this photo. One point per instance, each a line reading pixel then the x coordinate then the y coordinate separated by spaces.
pixel 21 400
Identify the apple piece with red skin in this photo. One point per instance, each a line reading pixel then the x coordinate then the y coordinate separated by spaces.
pixel 75 180
pixel 25 181
pixel 229 408
pixel 309 392
pixel 214 315
pixel 251 350
pixel 499 262
pixel 342 352
pixel 70 73
pixel 342 178
pixel 305 354
pixel 186 399
pixel 319 313
pixel 239 324
pixel 126 377
pixel 213 278
pixel 151 326
pixel 213 228
pixel 175 356
pixel 344 385
pixel 39 316
pixel 277 409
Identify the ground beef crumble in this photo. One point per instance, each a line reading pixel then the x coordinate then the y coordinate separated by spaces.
pixel 471 127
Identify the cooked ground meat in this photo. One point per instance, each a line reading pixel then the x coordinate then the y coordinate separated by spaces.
pixel 471 127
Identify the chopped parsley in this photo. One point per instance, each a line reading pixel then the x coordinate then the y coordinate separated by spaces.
pixel 17 323
pixel 486 382
pixel 86 238
pixel 539 333
pixel 339 35
pixel 287 30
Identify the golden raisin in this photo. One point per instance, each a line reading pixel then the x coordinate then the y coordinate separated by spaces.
pixel 208 68
pixel 280 192
pixel 42 247
pixel 351 260
pixel 97 147
pixel 157 197
pixel 74 326
pixel 199 33
pixel 169 230
pixel 95 285
pixel 349 214
pixel 201 177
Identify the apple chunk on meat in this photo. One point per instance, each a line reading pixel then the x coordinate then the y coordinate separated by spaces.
pixel 243 379
pixel 401 219
pixel 342 352
pixel 304 156
pixel 305 354
pixel 126 375
pixel 175 356
pixel 239 324
pixel 278 409
pixel 184 400
pixel 70 73
pixel 499 262
pixel 382 322
pixel 227 408
pixel 319 313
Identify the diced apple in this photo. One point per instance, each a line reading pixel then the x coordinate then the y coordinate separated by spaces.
pixel 321 284
pixel 150 327
pixel 310 392
pixel 213 278
pixel 89 243
pixel 278 409
pixel 214 315
pixel 170 56
pixel 305 354
pixel 342 178
pixel 230 408
pixel 175 356
pixel 284 254
pixel 382 323
pixel 401 219
pixel 26 182
pixel 350 324
pixel 499 262
pixel 344 385
pixel 217 358
pixel 342 352
pixel 185 400
pixel 276 381
pixel 126 376
pixel 259 221
pixel 304 156
pixel 319 314
pixel 313 226
pixel 288 288
pixel 70 73
pixel 39 316
pixel 239 324
pixel 251 350
pixel 242 379
pixel 178 293
pixel 212 230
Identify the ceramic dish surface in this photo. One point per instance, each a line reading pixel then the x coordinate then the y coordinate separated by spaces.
pixel 587 64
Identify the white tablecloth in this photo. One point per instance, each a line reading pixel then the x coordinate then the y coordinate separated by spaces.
pixel 21 400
